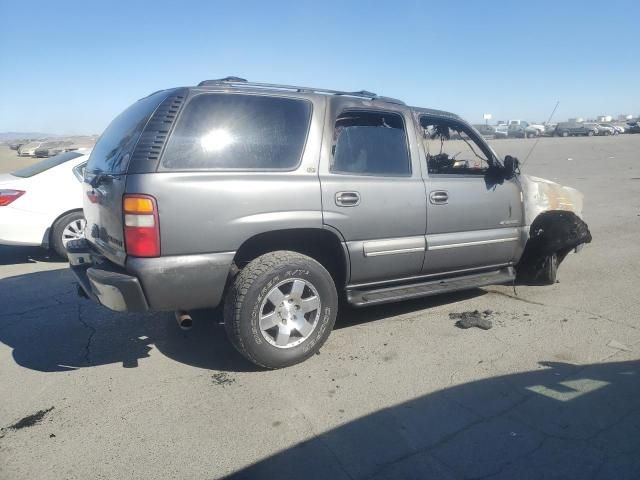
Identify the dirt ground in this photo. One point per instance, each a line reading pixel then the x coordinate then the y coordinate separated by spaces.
pixel 551 391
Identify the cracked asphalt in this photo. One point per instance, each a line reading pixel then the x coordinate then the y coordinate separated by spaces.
pixel 551 391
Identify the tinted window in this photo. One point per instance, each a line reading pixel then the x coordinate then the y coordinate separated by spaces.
pixel 111 152
pixel 50 162
pixel 239 132
pixel 370 144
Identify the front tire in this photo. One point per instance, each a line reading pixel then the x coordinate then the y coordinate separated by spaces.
pixel 66 228
pixel 548 272
pixel 280 309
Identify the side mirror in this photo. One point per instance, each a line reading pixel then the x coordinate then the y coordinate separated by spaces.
pixel 511 165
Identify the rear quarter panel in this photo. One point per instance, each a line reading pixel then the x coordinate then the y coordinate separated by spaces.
pixel 216 211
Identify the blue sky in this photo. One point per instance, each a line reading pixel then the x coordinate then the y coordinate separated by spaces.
pixel 71 66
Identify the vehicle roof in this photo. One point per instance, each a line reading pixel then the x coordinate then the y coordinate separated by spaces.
pixel 240 84
pixel 236 84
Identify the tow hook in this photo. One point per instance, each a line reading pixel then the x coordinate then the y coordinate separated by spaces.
pixel 185 322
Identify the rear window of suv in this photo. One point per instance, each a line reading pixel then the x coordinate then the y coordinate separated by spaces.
pixel 111 152
pixel 236 131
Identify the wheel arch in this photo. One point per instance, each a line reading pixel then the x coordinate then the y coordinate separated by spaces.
pixel 553 231
pixel 46 240
pixel 322 244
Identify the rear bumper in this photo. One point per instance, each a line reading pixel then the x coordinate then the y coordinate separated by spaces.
pixel 184 282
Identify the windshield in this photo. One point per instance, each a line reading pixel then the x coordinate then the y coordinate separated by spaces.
pixel 110 152
pixel 50 162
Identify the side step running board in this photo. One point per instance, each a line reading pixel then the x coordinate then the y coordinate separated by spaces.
pixel 375 296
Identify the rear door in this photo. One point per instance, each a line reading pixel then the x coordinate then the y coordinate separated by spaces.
pixel 372 189
pixel 106 176
pixel 474 217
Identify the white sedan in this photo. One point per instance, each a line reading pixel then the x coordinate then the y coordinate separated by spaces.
pixel 42 204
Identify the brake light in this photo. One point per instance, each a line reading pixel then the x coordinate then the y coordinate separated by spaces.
pixel 141 226
pixel 9 196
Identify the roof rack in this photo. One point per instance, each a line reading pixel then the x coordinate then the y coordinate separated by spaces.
pixel 241 82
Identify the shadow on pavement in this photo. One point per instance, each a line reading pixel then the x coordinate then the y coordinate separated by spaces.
pixel 559 422
pixel 51 329
pixel 14 255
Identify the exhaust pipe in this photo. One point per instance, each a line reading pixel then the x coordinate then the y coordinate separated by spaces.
pixel 185 322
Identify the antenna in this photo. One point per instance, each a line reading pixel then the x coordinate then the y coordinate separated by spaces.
pixel 538 139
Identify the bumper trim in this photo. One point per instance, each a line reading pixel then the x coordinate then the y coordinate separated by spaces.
pixel 182 282
pixel 115 290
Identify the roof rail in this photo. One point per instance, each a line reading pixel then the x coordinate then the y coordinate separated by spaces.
pixel 241 82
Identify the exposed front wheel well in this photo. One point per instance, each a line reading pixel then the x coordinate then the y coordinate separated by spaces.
pixel 552 236
pixel 322 245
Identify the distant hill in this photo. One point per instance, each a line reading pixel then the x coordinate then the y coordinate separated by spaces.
pixel 11 136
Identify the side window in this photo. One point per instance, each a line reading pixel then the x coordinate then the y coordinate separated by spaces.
pixel 450 149
pixel 370 143
pixel 233 131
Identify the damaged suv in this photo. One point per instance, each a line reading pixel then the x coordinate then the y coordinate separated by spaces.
pixel 277 200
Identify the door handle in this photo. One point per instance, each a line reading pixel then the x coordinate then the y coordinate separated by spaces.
pixel 439 197
pixel 347 199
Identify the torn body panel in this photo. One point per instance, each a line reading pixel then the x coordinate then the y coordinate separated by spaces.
pixel 553 215
pixel 542 195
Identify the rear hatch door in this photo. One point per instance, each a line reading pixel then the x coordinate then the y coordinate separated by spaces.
pixel 106 175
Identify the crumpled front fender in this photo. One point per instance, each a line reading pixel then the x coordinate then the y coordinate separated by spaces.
pixel 540 195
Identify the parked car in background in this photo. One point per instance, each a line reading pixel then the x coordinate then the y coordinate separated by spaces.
pixel 616 129
pixel 566 129
pixel 16 145
pixel 633 127
pixel 29 150
pixel 598 130
pixel 501 131
pixel 41 205
pixel 487 131
pixel 522 130
pixel 51 148
pixel 605 129
pixel 302 196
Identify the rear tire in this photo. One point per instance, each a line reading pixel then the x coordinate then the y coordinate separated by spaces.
pixel 590 133
pixel 68 227
pixel 269 312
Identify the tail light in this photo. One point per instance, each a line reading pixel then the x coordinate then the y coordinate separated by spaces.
pixel 141 226
pixel 9 196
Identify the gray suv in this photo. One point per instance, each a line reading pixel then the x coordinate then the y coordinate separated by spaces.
pixel 278 200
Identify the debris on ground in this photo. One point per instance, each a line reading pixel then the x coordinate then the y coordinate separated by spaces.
pixel 30 420
pixel 222 378
pixel 473 319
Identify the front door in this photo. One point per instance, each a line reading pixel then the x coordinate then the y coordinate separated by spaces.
pixel 474 216
pixel 372 190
